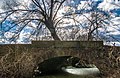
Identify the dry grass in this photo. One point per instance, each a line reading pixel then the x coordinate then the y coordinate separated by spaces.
pixel 16 64
pixel 19 63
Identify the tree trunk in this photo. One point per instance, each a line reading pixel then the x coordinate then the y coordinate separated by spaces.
pixel 89 37
pixel 54 34
pixel 50 25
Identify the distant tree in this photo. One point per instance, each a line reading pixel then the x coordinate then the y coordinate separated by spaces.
pixel 96 20
pixel 92 21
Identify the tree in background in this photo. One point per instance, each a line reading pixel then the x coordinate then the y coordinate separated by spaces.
pixel 89 21
pixel 95 23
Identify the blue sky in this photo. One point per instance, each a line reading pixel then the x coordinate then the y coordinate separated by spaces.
pixel 115 11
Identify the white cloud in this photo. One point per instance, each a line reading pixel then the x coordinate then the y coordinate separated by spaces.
pixel 108 5
pixel 8 34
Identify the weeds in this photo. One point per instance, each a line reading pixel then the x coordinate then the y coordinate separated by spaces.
pixel 19 62
pixel 16 64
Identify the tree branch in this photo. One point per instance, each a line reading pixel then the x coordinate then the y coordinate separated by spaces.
pixel 58 9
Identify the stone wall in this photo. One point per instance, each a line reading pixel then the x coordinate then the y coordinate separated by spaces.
pixel 59 47
pixel 67 44
pixel 52 45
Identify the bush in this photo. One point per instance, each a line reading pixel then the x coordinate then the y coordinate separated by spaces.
pixel 19 62
pixel 16 64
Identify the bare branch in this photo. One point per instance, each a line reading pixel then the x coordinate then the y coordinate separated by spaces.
pixel 58 9
pixel 44 5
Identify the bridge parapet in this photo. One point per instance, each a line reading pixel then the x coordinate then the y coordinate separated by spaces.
pixel 67 44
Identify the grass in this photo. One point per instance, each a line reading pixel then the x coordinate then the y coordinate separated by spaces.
pixel 20 61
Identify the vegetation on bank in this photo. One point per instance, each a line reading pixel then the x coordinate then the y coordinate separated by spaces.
pixel 19 62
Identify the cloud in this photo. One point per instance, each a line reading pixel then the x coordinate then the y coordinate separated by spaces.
pixel 13 3
pixel 108 5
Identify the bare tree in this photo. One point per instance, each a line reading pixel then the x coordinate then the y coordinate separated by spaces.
pixel 44 13
pixel 96 21
pixel 39 12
